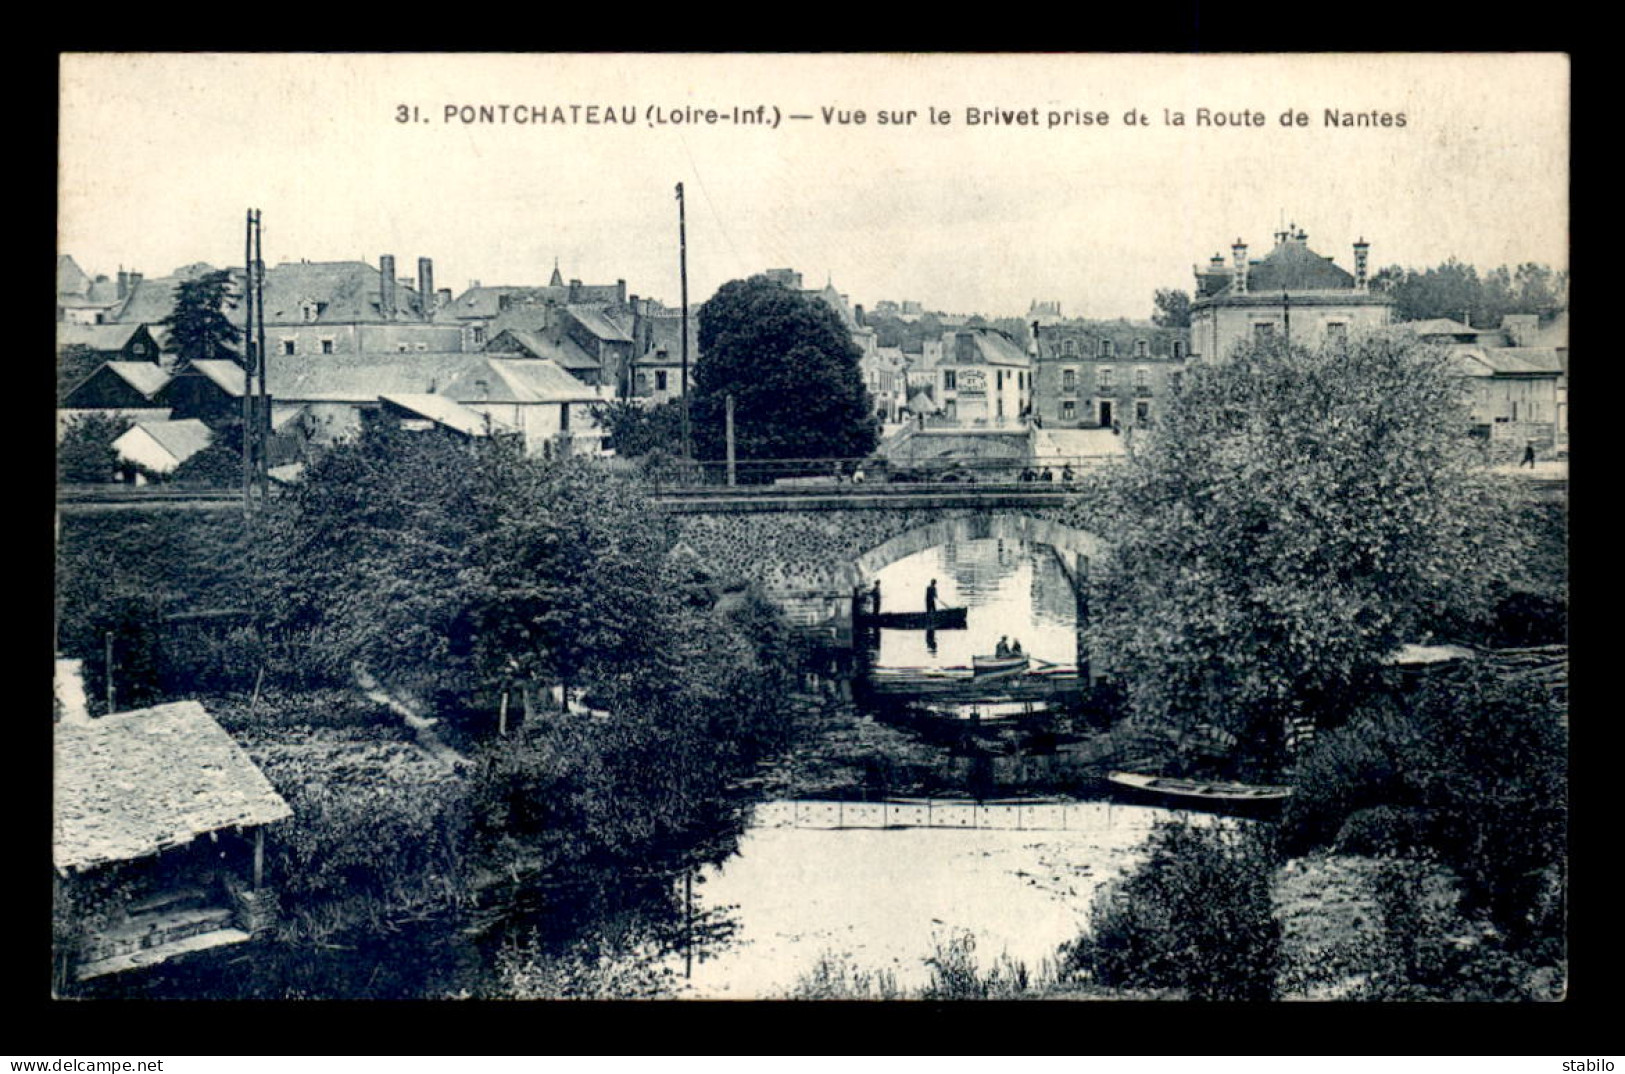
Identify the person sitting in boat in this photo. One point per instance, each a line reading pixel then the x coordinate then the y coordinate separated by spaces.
pixel 1002 649
pixel 931 597
pixel 1015 648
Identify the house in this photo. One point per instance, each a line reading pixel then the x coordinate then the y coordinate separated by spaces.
pixel 423 412
pixel 885 374
pixel 110 342
pixel 1292 293
pixel 329 396
pixel 83 300
pixel 1105 374
pixel 210 390
pixel 118 386
pixel 477 309
pixel 158 846
pixel 161 446
pixel 552 410
pixel 1517 372
pixel 657 368
pixel 983 379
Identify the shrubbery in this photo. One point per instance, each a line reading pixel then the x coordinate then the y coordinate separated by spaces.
pixel 1196 916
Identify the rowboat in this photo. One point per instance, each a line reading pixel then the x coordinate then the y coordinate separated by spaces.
pixel 1214 791
pixel 998 665
pixel 941 619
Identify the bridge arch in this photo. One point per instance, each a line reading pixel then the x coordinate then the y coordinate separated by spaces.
pixel 1069 540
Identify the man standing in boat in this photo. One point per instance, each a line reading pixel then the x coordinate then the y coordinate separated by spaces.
pixel 931 597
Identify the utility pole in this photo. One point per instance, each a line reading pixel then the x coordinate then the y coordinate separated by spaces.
pixel 264 437
pixel 248 365
pixel 682 265
pixel 1286 303
pixel 108 651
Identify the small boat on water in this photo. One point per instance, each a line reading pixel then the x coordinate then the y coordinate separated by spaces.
pixel 941 619
pixel 998 665
pixel 1214 791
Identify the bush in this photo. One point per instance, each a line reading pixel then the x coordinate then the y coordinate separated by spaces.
pixel 1196 915
pixel 1485 757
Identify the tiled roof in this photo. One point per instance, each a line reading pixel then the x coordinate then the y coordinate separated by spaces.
pixel 566 353
pixel 150 301
pixel 70 278
pixel 144 377
pixel 600 323
pixel 514 380
pixel 352 378
pixel 182 439
pixel 347 291
pixel 224 372
pixel 1292 266
pixel 1440 326
pixel 101 337
pixel 136 783
pixel 992 345
pixel 483 303
pixel 444 411
pixel 1509 361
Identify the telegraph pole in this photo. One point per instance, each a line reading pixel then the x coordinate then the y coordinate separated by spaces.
pixel 248 365
pixel 682 265
pixel 264 405
pixel 730 439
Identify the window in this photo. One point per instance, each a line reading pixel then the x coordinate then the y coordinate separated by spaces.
pixel 950 380
pixel 1142 413
pixel 950 408
pixel 1142 377
pixel 1179 348
pixel 1105 378
pixel 1263 333
pixel 1105 348
pixel 288 347
pixel 1069 380
pixel 1337 333
pixel 1174 380
pixel 477 334
pixel 1069 411
pixel 401 347
pixel 660 380
pixel 1142 348
pixel 327 346
pixel 1070 347
pixel 564 417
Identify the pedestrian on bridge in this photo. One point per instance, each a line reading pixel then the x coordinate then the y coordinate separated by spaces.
pixel 931 596
pixel 874 596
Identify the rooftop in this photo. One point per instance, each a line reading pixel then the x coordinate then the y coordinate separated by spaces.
pixel 137 783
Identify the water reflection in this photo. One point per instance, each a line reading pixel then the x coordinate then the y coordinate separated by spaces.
pixel 1011 589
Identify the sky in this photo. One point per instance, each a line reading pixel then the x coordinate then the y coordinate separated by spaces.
pixel 160 154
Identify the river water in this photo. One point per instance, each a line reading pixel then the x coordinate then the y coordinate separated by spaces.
pixel 883 899
pixel 1011 589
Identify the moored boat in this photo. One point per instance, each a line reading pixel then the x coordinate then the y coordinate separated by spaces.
pixel 1214 791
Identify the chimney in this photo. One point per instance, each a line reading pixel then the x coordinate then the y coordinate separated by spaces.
pixel 857 315
pixel 1238 255
pixel 575 291
pixel 426 287
pixel 1362 251
pixel 965 348
pixel 386 285
pixel 473 285
pixel 620 292
pixel 123 284
pixel 442 298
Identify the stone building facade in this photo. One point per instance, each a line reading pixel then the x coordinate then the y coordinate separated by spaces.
pixel 1105 374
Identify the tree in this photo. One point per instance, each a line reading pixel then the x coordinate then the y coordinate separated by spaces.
pixel 637 430
pixel 198 327
pixel 74 363
pixel 792 368
pixel 1297 517
pixel 1173 308
pixel 85 453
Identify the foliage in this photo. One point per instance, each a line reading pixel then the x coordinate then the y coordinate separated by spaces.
pixel 833 977
pixel 1173 308
pixel 74 363
pixel 1196 915
pixel 1455 290
pixel 220 465
pixel 1472 769
pixel 792 368
pixel 1296 518
pixel 198 327
pixel 637 430
pixel 84 452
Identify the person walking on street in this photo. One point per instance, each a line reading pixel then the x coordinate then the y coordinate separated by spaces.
pixel 1528 456
pixel 931 597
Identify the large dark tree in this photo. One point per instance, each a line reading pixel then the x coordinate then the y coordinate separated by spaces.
pixel 1456 290
pixel 1297 517
pixel 1173 308
pixel 198 327
pixel 792 368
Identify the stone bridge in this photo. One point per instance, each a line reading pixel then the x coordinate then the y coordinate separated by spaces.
pixel 809 551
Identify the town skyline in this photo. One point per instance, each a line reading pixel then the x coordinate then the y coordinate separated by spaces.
pixel 962 219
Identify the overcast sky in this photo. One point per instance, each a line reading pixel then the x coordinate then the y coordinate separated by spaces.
pixel 160 156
